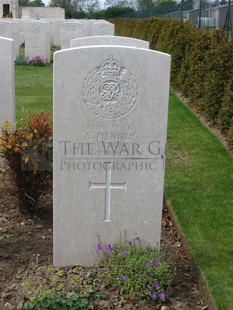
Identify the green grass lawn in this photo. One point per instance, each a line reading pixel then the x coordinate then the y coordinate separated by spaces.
pixel 199 185
pixel 199 182
pixel 34 90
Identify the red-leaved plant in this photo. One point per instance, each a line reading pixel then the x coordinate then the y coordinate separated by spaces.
pixel 28 153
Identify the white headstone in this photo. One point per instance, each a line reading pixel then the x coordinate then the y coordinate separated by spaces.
pixel 21 31
pixel 109 40
pixel 102 28
pixel 10 29
pixel 72 30
pixel 7 81
pixel 56 32
pixel 5 29
pixel 110 123
pixel 15 36
pixel 37 39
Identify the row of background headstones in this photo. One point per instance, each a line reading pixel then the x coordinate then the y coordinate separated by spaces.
pixel 39 35
pixel 7 55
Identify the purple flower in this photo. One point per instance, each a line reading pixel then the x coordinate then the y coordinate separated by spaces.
pixel 123 277
pixel 161 295
pixel 109 249
pixel 130 242
pixel 99 247
pixel 148 264
pixel 153 295
pixel 124 252
pixel 156 262
pixel 156 284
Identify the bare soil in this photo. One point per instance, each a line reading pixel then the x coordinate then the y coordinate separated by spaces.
pixel 26 254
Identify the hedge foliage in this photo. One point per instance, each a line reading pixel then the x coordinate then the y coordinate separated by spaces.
pixel 202 64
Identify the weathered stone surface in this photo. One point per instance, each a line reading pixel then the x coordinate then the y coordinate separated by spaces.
pixel 7 81
pixel 110 122
pixel 108 40
pixel 102 28
pixel 72 29
pixel 10 29
pixel 37 39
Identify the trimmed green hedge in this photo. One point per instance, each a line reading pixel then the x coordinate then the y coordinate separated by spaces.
pixel 202 64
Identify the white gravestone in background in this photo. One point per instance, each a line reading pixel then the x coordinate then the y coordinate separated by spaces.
pixel 21 31
pixel 102 28
pixel 71 30
pixel 37 39
pixel 110 123
pixel 10 29
pixel 7 81
pixel 109 40
pixel 56 32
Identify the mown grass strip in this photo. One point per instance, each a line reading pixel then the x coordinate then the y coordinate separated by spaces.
pixel 33 90
pixel 199 181
pixel 199 185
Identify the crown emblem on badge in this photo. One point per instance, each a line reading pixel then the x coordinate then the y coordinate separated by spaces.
pixel 111 66
pixel 110 90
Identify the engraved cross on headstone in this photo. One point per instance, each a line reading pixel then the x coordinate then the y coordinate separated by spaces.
pixel 107 186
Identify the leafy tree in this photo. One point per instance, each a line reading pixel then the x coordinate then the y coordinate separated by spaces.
pixel 218 2
pixel 91 6
pixel 31 3
pixel 37 3
pixel 60 3
pixel 145 4
pixel 24 2
pixel 187 4
pixel 166 3
pixel 73 8
pixel 111 12
pixel 111 3
pixel 119 3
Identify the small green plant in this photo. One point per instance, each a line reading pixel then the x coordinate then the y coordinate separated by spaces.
pixel 60 290
pixel 136 272
pixel 53 300
pixel 38 61
pixel 54 48
pixel 21 60
pixel 28 152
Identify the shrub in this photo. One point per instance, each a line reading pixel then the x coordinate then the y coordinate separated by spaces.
pixel 226 113
pixel 217 65
pixel 137 273
pixel 201 63
pixel 28 152
pixel 38 61
pixel 21 61
pixel 70 288
pixel 53 49
pixel 56 300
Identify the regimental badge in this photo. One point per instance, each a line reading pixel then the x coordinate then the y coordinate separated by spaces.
pixel 110 90
pixel 35 29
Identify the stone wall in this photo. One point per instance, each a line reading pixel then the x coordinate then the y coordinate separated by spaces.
pixel 42 12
